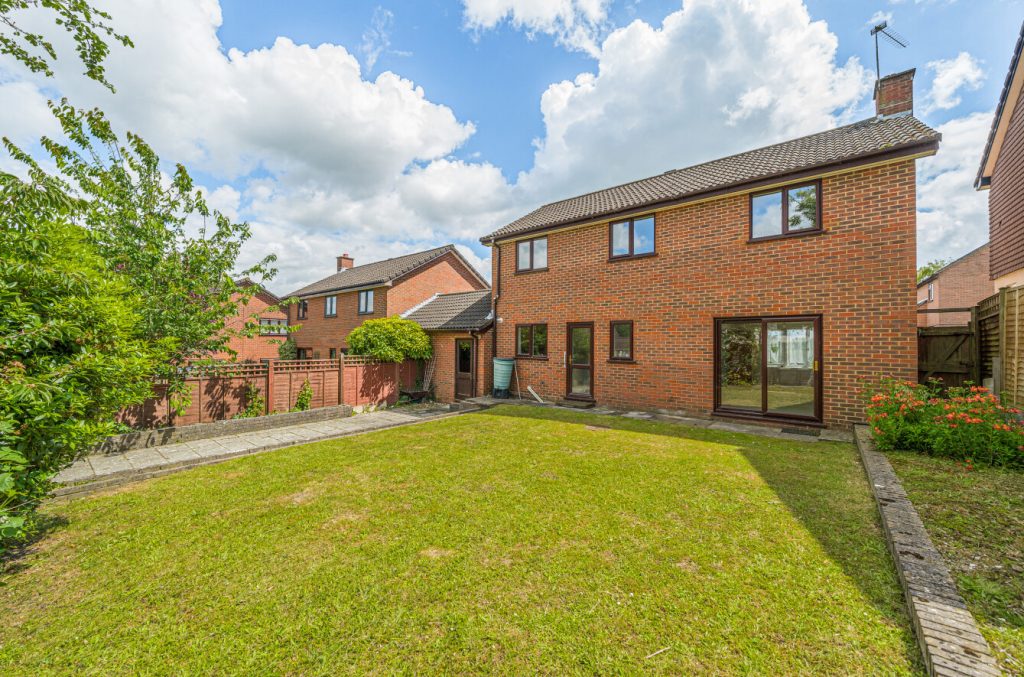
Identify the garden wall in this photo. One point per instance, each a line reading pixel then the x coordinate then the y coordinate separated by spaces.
pixel 221 391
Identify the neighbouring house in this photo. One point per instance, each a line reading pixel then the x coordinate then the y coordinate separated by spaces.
pixel 273 326
pixel 329 309
pixel 960 284
pixel 1002 174
pixel 458 324
pixel 771 284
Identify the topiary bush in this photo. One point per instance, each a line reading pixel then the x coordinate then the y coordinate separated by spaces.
pixel 391 339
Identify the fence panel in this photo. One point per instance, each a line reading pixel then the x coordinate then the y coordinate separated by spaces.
pixel 946 353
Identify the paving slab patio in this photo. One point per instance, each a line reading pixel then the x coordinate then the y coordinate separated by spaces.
pixel 104 470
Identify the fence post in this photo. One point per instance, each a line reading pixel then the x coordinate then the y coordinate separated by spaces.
pixel 270 385
pixel 341 378
pixel 976 335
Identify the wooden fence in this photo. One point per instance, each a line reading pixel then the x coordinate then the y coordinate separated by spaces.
pixel 221 391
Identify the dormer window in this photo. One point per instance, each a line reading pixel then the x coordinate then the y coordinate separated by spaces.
pixel 794 210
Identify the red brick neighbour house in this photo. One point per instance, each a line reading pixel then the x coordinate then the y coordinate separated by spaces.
pixel 332 307
pixel 770 284
pixel 458 325
pixel 273 327
pixel 960 284
pixel 1002 174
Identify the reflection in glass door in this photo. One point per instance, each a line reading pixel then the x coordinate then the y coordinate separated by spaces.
pixel 769 367
pixel 580 361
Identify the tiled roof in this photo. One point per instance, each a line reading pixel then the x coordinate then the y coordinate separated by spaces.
pixel 1004 99
pixel 844 144
pixel 379 272
pixel 462 311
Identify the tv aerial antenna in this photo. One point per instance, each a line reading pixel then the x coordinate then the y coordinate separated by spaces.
pixel 890 36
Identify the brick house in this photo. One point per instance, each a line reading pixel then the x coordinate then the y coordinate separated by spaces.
pixel 329 309
pixel 1002 174
pixel 273 326
pixel 459 326
pixel 960 284
pixel 766 285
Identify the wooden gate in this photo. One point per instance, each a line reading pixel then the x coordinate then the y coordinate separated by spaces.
pixel 947 353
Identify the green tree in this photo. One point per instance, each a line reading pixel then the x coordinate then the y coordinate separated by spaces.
pixel 72 346
pixel 390 339
pixel 287 350
pixel 157 233
pixel 86 25
pixel 930 268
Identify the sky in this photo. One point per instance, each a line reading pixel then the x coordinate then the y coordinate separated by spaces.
pixel 383 128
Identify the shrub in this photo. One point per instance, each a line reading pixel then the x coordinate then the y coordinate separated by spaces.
pixel 287 350
pixel 964 423
pixel 390 339
pixel 255 403
pixel 305 397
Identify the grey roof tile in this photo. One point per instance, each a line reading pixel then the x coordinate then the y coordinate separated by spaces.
pixel 469 310
pixel 379 272
pixel 842 144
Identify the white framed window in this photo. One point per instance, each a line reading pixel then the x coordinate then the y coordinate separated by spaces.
pixel 366 302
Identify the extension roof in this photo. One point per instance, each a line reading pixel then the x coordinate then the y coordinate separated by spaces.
pixel 380 272
pixel 460 311
pixel 833 150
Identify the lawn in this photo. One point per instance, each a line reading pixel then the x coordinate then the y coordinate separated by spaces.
pixel 976 520
pixel 517 540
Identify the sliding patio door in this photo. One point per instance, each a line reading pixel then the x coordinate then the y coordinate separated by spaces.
pixel 769 367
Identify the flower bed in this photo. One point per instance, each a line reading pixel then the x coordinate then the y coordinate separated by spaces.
pixel 965 423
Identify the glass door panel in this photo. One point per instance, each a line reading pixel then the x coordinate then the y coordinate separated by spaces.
pixel 739 371
pixel 580 360
pixel 791 367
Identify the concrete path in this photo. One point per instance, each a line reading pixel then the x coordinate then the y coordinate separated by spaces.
pixel 99 471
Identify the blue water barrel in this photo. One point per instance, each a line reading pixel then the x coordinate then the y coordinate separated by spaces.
pixel 503 372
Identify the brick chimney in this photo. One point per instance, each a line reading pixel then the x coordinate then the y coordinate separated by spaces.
pixel 894 94
pixel 345 261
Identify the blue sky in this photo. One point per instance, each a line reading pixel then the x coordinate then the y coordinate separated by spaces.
pixel 380 128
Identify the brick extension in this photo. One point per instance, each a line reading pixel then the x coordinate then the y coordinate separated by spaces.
pixel 946 630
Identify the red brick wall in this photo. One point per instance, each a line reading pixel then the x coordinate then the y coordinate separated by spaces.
pixel 859 275
pixel 257 347
pixel 1006 202
pixel 319 334
pixel 895 94
pixel 962 284
pixel 444 368
pixel 442 276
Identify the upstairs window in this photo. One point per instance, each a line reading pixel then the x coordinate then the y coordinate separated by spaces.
pixel 622 341
pixel 532 340
pixel 270 326
pixel 931 292
pixel 330 306
pixel 302 310
pixel 532 254
pixel 634 237
pixel 794 210
pixel 366 302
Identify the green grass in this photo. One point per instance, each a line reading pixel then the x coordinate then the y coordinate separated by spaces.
pixel 976 520
pixel 514 540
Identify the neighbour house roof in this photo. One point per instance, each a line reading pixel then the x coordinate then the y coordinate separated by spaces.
pixel 931 278
pixel 831 150
pixel 1004 112
pixel 461 311
pixel 268 296
pixel 380 272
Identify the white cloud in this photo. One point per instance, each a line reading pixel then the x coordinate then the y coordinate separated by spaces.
pixel 377 38
pixel 878 17
pixel 950 75
pixel 577 24
pixel 952 218
pixel 717 77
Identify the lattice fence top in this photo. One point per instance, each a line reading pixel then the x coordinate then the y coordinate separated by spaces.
pixel 360 360
pixel 305 365
pixel 225 370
